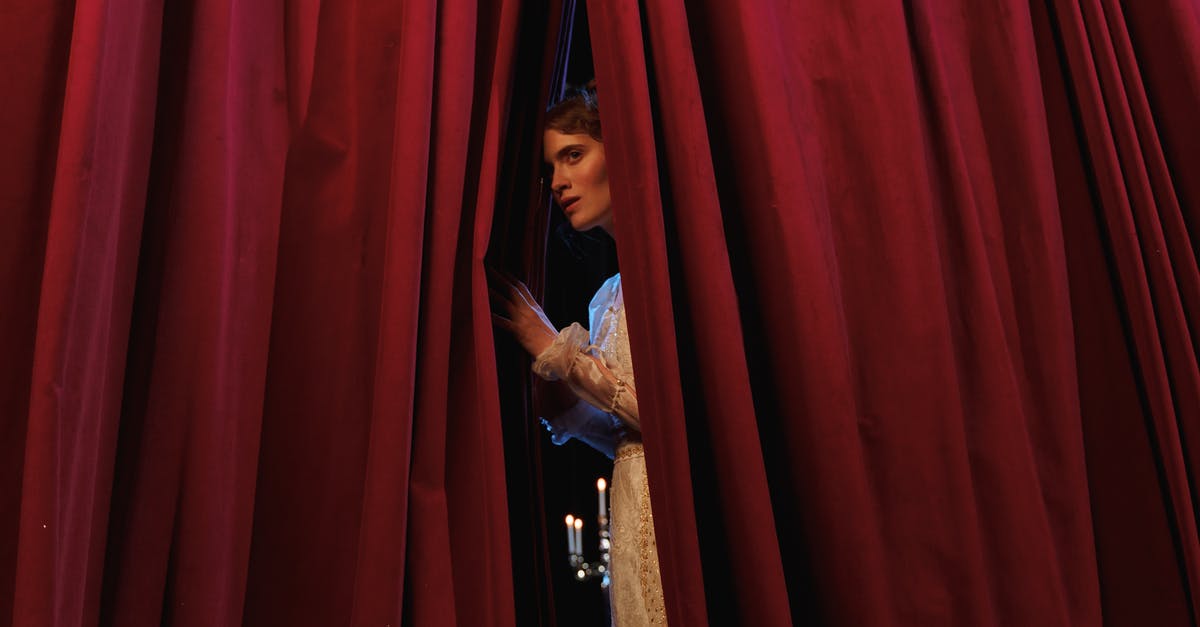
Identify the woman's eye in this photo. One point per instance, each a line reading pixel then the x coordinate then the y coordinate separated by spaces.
pixel 575 155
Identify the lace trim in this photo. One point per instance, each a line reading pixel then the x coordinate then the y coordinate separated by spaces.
pixel 652 596
pixel 629 450
pixel 616 397
pixel 556 361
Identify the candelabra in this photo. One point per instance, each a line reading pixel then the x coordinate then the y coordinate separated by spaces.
pixel 585 570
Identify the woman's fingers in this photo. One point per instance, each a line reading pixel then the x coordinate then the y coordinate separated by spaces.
pixel 497 278
pixel 502 322
pixel 511 284
pixel 526 292
pixel 508 277
pixel 515 307
pixel 523 292
pixel 502 276
pixel 523 316
pixel 516 313
pixel 498 300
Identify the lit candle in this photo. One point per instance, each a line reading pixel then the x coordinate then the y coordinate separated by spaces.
pixel 570 534
pixel 602 489
pixel 579 536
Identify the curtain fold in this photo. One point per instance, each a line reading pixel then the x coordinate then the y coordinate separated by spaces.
pixel 955 368
pixel 96 184
pixel 261 389
pixel 1125 208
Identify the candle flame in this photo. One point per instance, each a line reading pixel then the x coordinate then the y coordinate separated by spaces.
pixel 579 523
pixel 570 520
pixel 601 484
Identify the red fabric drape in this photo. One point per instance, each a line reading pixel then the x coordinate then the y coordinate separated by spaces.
pixel 912 293
pixel 248 374
pixel 912 299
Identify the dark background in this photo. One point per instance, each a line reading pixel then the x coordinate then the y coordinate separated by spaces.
pixel 547 482
pixel 576 265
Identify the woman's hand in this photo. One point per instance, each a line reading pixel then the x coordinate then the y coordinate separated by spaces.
pixel 522 316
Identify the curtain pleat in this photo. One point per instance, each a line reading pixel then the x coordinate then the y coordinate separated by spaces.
pixel 94 220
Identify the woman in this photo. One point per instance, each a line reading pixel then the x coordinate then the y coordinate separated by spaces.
pixel 596 366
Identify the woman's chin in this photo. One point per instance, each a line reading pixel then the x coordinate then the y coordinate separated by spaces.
pixel 580 224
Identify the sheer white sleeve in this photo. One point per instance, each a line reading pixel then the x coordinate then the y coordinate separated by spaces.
pixel 593 378
pixel 595 428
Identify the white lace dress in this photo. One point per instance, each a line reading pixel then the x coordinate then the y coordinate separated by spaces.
pixel 598 367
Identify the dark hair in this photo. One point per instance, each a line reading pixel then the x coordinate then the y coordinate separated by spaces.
pixel 577 113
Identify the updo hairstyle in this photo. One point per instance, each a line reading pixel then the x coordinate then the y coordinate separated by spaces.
pixel 576 114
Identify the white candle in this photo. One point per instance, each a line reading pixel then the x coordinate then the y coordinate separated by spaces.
pixel 579 536
pixel 570 534
pixel 602 489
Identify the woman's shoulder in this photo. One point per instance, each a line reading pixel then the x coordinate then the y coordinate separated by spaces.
pixel 608 291
pixel 608 295
pixel 612 283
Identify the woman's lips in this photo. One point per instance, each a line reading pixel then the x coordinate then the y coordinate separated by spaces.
pixel 569 203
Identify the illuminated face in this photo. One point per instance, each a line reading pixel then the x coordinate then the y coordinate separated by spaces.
pixel 580 179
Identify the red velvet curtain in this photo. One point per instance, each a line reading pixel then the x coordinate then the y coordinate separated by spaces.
pixel 914 305
pixel 912 288
pixel 248 370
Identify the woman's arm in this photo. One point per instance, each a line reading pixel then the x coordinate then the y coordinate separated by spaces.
pixel 564 355
pixel 593 427
pixel 569 358
pixel 568 417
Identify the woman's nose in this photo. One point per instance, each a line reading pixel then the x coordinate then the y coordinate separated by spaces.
pixel 558 183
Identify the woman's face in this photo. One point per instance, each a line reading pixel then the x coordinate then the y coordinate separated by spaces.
pixel 580 179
